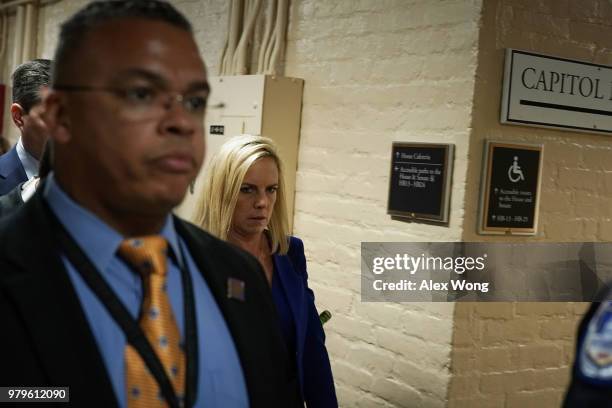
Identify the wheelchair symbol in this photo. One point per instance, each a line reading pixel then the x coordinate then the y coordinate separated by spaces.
pixel 515 174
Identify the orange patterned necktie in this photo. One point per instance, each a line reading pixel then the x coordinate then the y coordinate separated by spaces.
pixel 148 256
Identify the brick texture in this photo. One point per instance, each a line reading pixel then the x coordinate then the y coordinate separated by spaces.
pixel 520 354
pixel 375 72
pixel 378 71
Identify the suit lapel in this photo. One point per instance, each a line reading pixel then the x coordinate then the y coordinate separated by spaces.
pixel 236 313
pixel 197 249
pixel 10 201
pixel 11 168
pixel 270 377
pixel 294 293
pixel 51 310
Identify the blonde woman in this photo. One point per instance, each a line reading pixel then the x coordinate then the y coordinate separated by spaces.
pixel 244 203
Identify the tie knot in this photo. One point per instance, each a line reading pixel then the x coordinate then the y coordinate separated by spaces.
pixel 146 254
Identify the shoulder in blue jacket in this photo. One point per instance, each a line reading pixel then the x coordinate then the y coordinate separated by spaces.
pixel 12 172
pixel 313 365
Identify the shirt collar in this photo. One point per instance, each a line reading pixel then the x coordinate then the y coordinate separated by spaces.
pixel 29 162
pixel 97 239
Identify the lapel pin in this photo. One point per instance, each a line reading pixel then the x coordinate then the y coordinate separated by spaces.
pixel 235 289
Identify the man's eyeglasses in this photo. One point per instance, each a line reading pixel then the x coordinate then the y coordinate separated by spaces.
pixel 148 102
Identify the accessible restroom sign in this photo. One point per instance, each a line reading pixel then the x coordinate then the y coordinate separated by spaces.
pixel 511 188
pixel 546 91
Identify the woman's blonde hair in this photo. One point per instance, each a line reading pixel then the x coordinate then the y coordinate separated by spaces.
pixel 222 183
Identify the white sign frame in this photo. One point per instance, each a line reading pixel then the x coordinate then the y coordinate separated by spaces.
pixel 546 91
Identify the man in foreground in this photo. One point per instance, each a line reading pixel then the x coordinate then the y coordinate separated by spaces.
pixel 101 288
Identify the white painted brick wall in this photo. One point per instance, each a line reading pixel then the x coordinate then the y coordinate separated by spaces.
pixel 378 72
pixel 520 355
pixel 375 71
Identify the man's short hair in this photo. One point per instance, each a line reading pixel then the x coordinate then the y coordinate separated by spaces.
pixel 28 78
pixel 76 27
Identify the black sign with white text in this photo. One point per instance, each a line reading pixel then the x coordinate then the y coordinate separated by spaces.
pixel 217 130
pixel 419 183
pixel 511 188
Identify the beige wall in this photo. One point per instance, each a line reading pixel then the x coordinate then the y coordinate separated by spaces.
pixel 378 71
pixel 9 132
pixel 520 355
pixel 375 72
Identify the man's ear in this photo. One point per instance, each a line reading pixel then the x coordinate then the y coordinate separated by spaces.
pixel 17 113
pixel 54 116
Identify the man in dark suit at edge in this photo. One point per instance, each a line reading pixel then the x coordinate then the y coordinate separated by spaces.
pixel 101 288
pixel 20 164
pixel 24 191
pixel 591 382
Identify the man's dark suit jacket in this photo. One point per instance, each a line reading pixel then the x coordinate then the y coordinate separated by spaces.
pixel 11 201
pixel 46 339
pixel 11 171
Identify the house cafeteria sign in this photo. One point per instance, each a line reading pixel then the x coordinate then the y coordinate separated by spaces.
pixel 419 185
pixel 547 91
pixel 511 190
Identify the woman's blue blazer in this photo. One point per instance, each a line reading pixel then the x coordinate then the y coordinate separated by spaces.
pixel 313 366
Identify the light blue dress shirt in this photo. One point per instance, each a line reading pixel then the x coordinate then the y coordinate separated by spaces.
pixel 29 162
pixel 220 379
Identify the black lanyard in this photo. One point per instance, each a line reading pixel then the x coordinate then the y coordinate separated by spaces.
pixel 134 334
